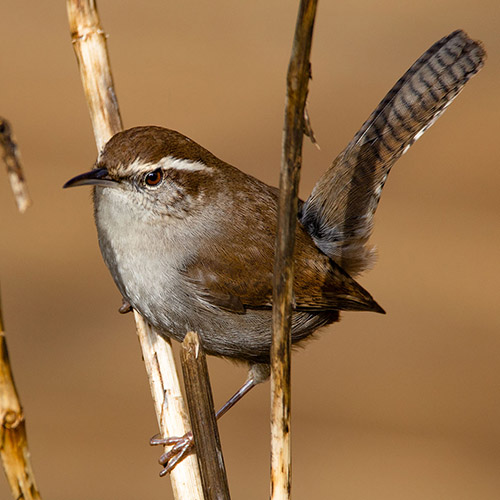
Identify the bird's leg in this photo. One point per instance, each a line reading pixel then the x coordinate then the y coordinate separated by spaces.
pixel 181 446
pixel 244 389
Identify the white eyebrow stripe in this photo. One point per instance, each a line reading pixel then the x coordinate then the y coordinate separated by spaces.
pixel 179 164
pixel 139 167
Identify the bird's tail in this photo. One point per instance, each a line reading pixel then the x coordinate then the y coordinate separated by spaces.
pixel 339 212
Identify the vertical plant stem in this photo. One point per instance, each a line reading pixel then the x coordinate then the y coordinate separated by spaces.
pixel 10 155
pixel 13 441
pixel 14 450
pixel 169 406
pixel 89 42
pixel 203 421
pixel 291 160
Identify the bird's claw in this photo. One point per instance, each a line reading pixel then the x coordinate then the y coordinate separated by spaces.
pixel 125 307
pixel 181 446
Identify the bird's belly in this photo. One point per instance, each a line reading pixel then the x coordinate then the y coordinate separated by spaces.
pixel 152 280
pixel 163 298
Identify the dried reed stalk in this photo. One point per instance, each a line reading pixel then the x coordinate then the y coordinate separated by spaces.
pixel 89 43
pixel 291 160
pixel 13 441
pixel 10 155
pixel 203 420
pixel 169 406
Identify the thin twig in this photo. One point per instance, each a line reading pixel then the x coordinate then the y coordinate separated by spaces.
pixel 203 421
pixel 10 155
pixel 13 442
pixel 89 42
pixel 297 83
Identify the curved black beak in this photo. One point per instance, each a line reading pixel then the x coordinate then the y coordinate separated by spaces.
pixel 96 177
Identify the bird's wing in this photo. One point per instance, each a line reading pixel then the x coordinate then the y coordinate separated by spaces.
pixel 235 274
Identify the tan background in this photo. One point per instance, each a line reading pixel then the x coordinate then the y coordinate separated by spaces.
pixel 405 405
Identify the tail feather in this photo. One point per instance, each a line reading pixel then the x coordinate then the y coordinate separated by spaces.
pixel 339 213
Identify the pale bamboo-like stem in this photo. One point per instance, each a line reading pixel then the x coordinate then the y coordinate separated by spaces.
pixel 291 160
pixel 10 156
pixel 169 405
pixel 89 42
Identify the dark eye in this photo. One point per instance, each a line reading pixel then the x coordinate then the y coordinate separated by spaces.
pixel 154 178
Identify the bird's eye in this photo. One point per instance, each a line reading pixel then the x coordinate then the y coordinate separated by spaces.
pixel 154 178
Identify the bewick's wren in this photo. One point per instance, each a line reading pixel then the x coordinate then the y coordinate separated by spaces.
pixel 189 239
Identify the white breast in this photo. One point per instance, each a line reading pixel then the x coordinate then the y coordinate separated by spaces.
pixel 144 257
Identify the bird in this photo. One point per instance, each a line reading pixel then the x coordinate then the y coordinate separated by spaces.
pixel 189 239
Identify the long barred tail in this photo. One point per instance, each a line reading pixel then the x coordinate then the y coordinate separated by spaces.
pixel 339 212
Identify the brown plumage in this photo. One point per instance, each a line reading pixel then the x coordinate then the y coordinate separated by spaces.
pixel 189 239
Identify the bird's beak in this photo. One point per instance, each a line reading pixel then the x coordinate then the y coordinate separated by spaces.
pixel 96 177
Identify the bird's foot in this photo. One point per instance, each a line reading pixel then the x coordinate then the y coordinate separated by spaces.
pixel 181 446
pixel 125 307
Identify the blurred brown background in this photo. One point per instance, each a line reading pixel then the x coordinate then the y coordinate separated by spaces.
pixel 405 405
